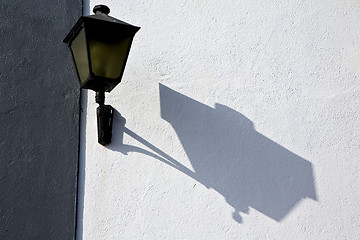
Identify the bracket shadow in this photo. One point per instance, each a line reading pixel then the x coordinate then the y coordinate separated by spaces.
pixel 229 156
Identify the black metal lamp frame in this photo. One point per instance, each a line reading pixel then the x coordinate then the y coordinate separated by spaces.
pixel 103 25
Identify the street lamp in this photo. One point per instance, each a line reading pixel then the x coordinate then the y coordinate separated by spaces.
pixel 100 46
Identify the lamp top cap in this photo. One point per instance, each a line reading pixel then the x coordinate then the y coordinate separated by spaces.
pixel 101 8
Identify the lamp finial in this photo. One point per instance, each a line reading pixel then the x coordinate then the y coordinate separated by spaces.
pixel 101 8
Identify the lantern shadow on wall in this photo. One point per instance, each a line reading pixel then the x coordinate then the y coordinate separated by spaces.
pixel 230 156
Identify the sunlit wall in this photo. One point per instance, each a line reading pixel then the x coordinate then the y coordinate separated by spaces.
pixel 234 120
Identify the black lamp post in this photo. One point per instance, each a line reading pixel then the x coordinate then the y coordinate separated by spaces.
pixel 100 46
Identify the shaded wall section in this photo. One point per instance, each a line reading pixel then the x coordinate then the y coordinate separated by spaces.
pixel 39 118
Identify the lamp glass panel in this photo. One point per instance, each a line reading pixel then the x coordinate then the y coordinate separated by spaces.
pixel 78 48
pixel 108 57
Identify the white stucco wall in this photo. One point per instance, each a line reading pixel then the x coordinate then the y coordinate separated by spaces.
pixel 242 122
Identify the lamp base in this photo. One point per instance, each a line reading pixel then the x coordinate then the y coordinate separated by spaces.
pixel 105 115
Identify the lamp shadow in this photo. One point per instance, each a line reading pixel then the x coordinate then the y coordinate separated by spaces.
pixel 229 156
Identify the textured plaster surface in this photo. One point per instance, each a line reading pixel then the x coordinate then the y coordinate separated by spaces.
pixel 235 120
pixel 39 119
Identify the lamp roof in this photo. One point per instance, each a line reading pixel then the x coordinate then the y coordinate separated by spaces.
pixel 99 18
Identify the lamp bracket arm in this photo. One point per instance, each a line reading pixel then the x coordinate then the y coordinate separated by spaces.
pixel 105 115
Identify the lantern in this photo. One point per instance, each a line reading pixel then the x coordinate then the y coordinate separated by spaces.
pixel 100 46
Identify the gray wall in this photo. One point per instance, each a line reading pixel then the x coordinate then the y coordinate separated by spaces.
pixel 39 119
